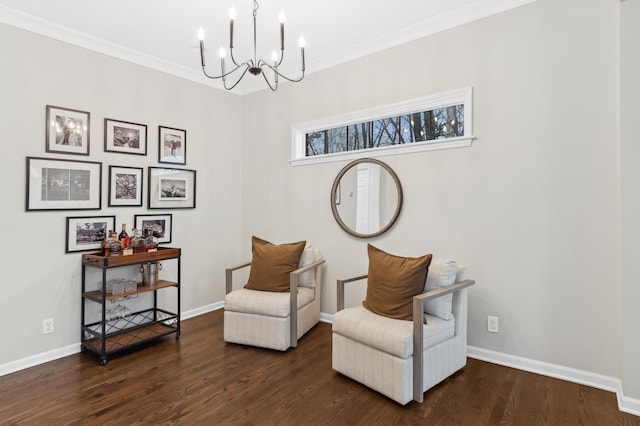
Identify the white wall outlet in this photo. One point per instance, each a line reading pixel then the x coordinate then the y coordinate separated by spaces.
pixel 492 324
pixel 47 326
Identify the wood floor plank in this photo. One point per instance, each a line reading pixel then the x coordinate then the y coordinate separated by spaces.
pixel 199 379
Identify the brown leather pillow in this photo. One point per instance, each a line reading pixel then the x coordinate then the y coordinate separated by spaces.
pixel 393 281
pixel 271 264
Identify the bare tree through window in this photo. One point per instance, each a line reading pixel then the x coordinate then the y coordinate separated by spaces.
pixel 422 126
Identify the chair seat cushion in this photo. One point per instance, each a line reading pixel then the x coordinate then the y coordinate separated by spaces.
pixel 387 334
pixel 274 304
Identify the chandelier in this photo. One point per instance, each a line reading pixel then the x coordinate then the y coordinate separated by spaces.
pixel 269 71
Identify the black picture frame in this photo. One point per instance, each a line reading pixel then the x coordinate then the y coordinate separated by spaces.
pixel 160 224
pixel 86 233
pixel 170 188
pixel 125 186
pixel 172 145
pixel 68 130
pixel 125 137
pixel 61 184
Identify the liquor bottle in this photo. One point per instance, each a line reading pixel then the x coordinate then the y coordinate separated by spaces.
pixel 106 244
pixel 115 245
pixel 123 236
pixel 137 242
pixel 151 242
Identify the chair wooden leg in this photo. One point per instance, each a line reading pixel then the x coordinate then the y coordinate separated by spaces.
pixel 293 320
pixel 418 350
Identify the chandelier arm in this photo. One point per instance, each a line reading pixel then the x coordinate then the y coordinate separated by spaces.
pixel 293 80
pixel 262 62
pixel 281 58
pixel 273 88
pixel 238 80
pixel 225 74
pixel 233 59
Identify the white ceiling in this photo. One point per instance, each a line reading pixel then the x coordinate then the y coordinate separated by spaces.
pixel 162 34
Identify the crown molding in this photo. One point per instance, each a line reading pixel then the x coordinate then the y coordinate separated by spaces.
pixel 54 31
pixel 436 24
pixel 478 10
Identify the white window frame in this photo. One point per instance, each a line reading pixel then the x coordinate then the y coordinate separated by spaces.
pixel 454 97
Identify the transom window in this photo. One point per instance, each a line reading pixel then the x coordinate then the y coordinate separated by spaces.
pixel 434 122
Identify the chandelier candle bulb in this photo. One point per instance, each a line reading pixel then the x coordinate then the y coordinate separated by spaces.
pixel 282 19
pixel 301 44
pixel 222 54
pixel 201 38
pixel 274 56
pixel 232 17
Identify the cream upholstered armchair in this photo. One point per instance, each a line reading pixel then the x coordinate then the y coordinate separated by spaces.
pixel 418 340
pixel 281 300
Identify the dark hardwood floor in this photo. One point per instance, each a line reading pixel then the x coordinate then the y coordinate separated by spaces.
pixel 200 380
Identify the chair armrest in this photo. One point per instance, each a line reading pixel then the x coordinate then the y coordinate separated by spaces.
pixel 229 276
pixel 294 276
pixel 305 268
pixel 418 331
pixel 340 289
pixel 441 291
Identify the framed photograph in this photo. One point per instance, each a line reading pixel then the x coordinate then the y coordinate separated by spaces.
pixel 125 137
pixel 160 225
pixel 56 184
pixel 87 233
pixel 172 145
pixel 125 186
pixel 171 188
pixel 67 131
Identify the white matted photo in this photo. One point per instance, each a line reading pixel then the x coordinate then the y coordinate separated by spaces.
pixel 125 137
pixel 171 188
pixel 67 130
pixel 159 224
pixel 88 233
pixel 172 145
pixel 125 186
pixel 56 184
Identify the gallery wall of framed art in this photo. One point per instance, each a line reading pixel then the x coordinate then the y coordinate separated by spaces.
pixel 68 184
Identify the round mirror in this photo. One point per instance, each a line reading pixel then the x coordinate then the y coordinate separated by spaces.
pixel 366 198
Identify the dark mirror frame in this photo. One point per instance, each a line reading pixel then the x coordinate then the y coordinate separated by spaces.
pixel 334 190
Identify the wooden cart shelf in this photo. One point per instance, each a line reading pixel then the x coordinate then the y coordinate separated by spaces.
pixel 97 295
pixel 98 261
pixel 130 337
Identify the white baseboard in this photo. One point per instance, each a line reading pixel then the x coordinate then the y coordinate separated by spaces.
pixel 328 318
pixel 32 361
pixel 629 405
pixel 611 384
pixel 202 310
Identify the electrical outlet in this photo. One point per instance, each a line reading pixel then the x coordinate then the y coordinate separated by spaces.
pixel 47 326
pixel 492 324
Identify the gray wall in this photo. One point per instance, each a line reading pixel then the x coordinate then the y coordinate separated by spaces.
pixel 630 129
pixel 532 207
pixel 38 279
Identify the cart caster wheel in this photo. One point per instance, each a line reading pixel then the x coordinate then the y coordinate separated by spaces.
pixel 103 361
pixel 177 334
pixel 82 348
